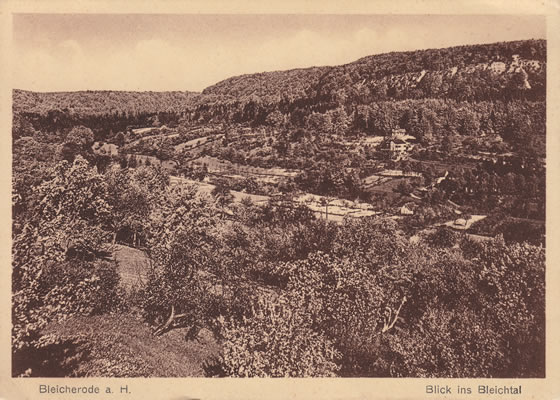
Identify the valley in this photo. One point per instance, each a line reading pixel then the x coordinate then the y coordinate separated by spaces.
pixel 381 218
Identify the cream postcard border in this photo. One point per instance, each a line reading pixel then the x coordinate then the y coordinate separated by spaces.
pixel 254 388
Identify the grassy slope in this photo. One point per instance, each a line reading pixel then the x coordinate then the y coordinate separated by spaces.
pixel 132 264
pixel 122 346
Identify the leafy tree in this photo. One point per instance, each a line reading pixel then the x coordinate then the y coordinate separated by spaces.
pixel 165 151
pixel 152 179
pixel 512 280
pixel 78 141
pixel 130 203
pixel 320 123
pixel 21 127
pixel 470 125
pixel 340 120
pixel 222 195
pixel 365 309
pixel 404 188
pixel 498 292
pixel 73 210
pixel 57 270
pixel 275 119
pixel 443 237
pixel 449 144
pixel 119 139
pixel 132 161
pixel 180 243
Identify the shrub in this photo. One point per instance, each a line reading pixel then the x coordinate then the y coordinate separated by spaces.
pixel 276 341
pixel 443 237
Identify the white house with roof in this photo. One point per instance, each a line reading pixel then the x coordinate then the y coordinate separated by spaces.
pixel 399 144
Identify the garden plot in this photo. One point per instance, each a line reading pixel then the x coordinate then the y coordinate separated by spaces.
pixel 337 210
pixel 133 266
pixel 222 167
pixel 140 131
pixel 142 159
pixel 336 207
pixel 207 188
pixel 373 180
pixel 194 143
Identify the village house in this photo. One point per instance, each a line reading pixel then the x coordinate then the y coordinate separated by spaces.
pixel 399 144
pixel 406 211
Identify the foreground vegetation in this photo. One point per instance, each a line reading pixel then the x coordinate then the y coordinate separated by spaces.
pixel 283 293
pixel 114 228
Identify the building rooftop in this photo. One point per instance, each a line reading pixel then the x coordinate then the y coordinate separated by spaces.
pixel 398 141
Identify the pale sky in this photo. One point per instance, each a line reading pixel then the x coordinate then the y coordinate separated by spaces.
pixel 65 52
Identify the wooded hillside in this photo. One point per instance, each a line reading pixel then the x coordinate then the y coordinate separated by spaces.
pixel 461 73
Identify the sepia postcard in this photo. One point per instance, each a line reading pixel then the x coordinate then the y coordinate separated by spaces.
pixel 230 200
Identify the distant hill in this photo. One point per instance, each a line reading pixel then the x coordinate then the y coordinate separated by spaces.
pixel 473 72
pixel 101 102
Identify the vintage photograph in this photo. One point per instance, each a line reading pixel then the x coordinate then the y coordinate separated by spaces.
pixel 278 195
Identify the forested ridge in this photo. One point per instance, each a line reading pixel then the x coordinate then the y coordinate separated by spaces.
pixel 457 72
pixel 272 226
pixel 481 72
